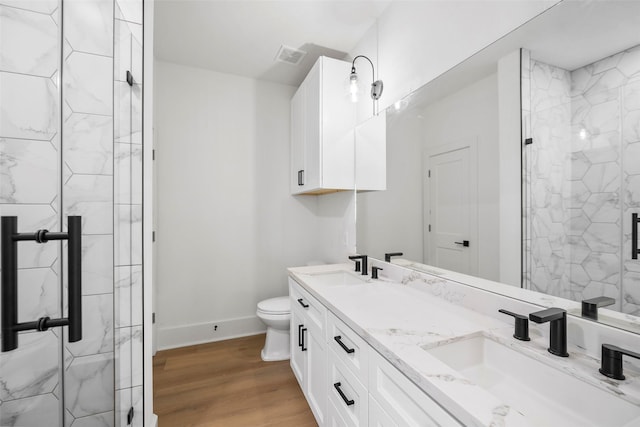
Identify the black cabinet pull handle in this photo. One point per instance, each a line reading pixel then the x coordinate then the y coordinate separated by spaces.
pixel 301 177
pixel 302 303
pixel 9 284
pixel 344 347
pixel 300 335
pixel 634 236
pixel 341 393
pixel 303 347
pixel 464 243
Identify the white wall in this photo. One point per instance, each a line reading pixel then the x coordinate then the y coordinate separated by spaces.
pixel 472 114
pixel 227 227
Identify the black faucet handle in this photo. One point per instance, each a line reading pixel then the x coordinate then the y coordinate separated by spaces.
pixel 548 315
pixel 590 306
pixel 521 325
pixel 387 257
pixel 611 361
pixel 374 271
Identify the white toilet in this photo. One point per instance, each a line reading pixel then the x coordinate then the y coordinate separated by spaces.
pixel 276 314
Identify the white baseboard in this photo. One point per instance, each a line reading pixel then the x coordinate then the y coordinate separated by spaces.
pixel 200 333
pixel 154 420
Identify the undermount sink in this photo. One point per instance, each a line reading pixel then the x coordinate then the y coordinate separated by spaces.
pixel 339 278
pixel 544 395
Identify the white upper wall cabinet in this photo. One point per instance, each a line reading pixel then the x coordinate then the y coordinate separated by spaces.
pixel 323 132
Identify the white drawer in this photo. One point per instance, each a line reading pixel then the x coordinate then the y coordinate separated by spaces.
pixel 401 399
pixel 352 350
pixel 311 307
pixel 347 394
pixel 377 416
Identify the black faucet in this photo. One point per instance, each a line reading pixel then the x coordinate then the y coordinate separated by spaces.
pixel 590 306
pixel 557 328
pixel 374 271
pixel 521 325
pixel 387 257
pixel 365 269
pixel 611 363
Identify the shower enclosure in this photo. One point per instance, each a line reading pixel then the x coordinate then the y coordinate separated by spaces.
pixel 581 178
pixel 71 149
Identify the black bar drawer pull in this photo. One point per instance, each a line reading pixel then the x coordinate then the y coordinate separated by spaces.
pixel 300 335
pixel 303 347
pixel 344 347
pixel 341 393
pixel 9 284
pixel 634 236
pixel 301 302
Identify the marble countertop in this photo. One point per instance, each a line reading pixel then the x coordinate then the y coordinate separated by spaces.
pixel 400 321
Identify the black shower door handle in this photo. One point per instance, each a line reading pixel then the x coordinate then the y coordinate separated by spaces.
pixel 9 283
pixel 634 236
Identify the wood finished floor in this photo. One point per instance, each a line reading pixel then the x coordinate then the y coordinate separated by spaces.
pixel 226 384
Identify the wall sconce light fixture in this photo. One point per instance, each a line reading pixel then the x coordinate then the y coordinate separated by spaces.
pixel 376 86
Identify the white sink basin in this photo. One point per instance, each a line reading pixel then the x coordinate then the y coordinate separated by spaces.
pixel 338 278
pixel 544 395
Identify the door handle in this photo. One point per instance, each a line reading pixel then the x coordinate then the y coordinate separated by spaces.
pixel 348 350
pixel 346 400
pixel 9 284
pixel 300 335
pixel 634 236
pixel 301 302
pixel 464 243
pixel 303 347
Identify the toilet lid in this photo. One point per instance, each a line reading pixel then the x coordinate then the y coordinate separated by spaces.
pixel 275 305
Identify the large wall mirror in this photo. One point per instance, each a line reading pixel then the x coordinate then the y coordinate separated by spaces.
pixel 521 165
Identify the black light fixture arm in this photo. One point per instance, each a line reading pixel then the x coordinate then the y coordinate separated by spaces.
pixel 376 85
pixel 373 70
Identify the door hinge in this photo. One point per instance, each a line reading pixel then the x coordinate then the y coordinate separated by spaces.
pixel 130 416
pixel 153 236
pixel 153 317
pixel 429 173
pixel 153 154
pixel 429 228
pixel 528 141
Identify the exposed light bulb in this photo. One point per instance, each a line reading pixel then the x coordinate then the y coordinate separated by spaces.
pixel 583 134
pixel 353 86
pixel 397 105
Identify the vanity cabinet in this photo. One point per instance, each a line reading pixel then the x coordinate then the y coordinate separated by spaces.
pixel 322 123
pixel 363 388
pixel 309 348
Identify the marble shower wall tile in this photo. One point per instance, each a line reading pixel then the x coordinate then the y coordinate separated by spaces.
pixel 41 410
pixel 89 385
pixel 89 26
pixel 30 45
pixel 32 112
pixel 97 326
pixel 105 419
pixel 88 84
pixel 89 144
pixel 97 264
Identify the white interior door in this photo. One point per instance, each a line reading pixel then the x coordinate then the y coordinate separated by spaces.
pixel 451 209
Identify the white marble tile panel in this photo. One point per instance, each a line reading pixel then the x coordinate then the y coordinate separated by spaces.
pixel 88 26
pixel 631 293
pixel 629 65
pixel 28 171
pixel 122 174
pixel 88 83
pixel 29 42
pixel 603 177
pixel 136 114
pixel 603 207
pixel 104 419
pixel 122 296
pixel 631 95
pixel 136 235
pixel 42 6
pixel 605 88
pixel 603 237
pixel 88 147
pixel 90 196
pixel 32 368
pixel 136 295
pixel 136 174
pixel 32 218
pixel 89 385
pixel 97 326
pixel 129 358
pixel 39 294
pixel 632 191
pixel 607 63
pixel 122 112
pixel 603 267
pixel 631 127
pixel 122 235
pixel 129 10
pixel 136 52
pixel 28 107
pixel 603 118
pixel 97 264
pixel 35 411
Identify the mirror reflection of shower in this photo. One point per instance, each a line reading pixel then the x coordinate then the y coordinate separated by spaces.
pixel 581 178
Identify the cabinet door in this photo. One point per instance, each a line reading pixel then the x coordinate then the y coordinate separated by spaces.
pixel 297 141
pixel 377 416
pixel 297 353
pixel 316 379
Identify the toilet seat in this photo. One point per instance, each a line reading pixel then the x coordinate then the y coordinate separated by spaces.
pixel 275 306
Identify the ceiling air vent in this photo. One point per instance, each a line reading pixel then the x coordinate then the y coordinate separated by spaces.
pixel 290 55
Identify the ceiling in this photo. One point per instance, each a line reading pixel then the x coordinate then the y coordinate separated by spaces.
pixel 243 37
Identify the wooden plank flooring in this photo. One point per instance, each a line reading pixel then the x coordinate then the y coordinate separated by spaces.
pixel 226 384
